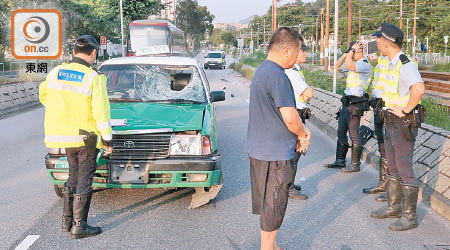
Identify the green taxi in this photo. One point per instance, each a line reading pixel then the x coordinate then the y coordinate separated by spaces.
pixel 164 129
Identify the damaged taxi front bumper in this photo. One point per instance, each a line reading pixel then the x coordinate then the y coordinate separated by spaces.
pixel 172 172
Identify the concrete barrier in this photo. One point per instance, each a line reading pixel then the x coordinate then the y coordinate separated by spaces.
pixel 18 96
pixel 431 162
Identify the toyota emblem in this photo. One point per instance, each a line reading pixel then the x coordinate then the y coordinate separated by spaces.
pixel 128 144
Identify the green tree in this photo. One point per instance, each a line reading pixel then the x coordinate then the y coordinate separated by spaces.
pixel 195 21
pixel 228 38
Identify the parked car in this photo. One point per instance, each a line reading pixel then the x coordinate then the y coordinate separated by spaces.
pixel 215 59
pixel 164 129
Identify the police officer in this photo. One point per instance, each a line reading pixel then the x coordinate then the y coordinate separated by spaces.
pixel 303 93
pixel 354 103
pixel 77 118
pixel 377 105
pixel 403 114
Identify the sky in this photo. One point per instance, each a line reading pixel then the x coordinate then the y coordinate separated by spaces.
pixel 233 11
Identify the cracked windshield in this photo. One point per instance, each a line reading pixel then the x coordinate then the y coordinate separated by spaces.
pixel 154 83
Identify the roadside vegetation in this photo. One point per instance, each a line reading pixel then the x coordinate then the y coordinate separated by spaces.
pixel 22 76
pixel 436 115
pixel 255 59
pixel 248 73
pixel 441 67
pixel 320 79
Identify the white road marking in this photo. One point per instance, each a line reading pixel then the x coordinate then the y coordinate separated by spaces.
pixel 27 242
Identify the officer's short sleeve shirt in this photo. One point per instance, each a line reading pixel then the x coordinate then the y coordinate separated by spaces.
pixel 298 84
pixel 409 74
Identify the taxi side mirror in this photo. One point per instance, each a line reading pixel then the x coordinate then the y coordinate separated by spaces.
pixel 217 96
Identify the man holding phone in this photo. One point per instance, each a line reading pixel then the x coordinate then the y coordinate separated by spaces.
pixel 354 103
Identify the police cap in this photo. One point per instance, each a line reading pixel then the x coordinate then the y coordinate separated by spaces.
pixel 87 40
pixel 390 32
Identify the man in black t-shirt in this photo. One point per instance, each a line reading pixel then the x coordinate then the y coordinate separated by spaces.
pixel 275 132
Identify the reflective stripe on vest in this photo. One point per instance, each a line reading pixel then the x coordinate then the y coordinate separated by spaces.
pixel 84 89
pixel 377 84
pixel 64 138
pixel 355 85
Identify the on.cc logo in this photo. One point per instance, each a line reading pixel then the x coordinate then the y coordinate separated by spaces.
pixel 36 34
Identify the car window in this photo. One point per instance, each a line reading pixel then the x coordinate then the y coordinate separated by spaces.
pixel 214 55
pixel 154 83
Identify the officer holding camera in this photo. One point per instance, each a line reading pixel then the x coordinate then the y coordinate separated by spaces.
pixel 403 115
pixel 354 103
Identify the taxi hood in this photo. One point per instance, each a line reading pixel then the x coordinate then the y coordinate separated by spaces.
pixel 179 117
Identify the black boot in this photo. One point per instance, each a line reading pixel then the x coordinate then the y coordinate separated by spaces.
pixel 341 153
pixel 67 209
pixel 394 207
pixel 356 160
pixel 294 190
pixel 80 228
pixel 409 215
pixel 381 188
pixel 381 198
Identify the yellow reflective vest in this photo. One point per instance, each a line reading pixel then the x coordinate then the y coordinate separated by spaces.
pixel 389 81
pixel 75 97
pixel 355 84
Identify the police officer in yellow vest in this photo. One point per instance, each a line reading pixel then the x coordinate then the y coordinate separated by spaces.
pixel 377 105
pixel 354 103
pixel 403 89
pixel 77 118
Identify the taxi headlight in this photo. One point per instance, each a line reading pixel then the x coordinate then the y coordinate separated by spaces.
pixel 186 145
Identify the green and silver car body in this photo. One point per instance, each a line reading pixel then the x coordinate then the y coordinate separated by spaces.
pixel 164 127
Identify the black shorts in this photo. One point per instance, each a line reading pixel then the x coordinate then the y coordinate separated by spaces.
pixel 270 184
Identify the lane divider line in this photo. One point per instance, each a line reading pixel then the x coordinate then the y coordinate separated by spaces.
pixel 27 242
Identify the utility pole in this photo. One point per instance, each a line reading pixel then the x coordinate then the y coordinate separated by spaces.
pixel 359 25
pixel 274 15
pixel 121 29
pixel 336 31
pixel 407 35
pixel 175 12
pixel 414 28
pixel 321 35
pixel 257 36
pixel 349 20
pixel 317 34
pixel 401 13
pixel 265 34
pixel 327 35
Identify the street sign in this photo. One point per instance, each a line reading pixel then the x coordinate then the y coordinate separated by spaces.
pixel 103 40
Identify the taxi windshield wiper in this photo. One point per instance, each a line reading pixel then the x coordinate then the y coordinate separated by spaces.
pixel 177 101
pixel 124 100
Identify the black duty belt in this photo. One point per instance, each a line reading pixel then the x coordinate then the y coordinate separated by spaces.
pixel 353 100
pixel 304 113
